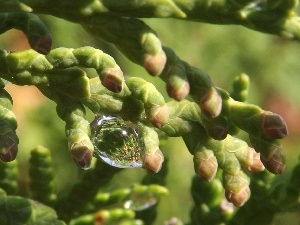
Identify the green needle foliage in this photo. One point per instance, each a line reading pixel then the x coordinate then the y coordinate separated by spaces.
pixel 228 168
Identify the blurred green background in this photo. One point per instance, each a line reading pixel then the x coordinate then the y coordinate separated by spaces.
pixel 222 51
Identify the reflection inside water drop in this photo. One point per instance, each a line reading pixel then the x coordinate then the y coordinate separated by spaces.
pixel 117 142
pixel 140 201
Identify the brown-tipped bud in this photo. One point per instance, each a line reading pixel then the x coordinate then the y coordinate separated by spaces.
pixel 211 103
pixel 217 128
pixel 158 115
pixel 217 132
pixel 154 64
pixel 240 198
pixel 257 164
pixel 154 161
pixel 178 86
pixel 10 154
pixel 81 155
pixel 271 153
pixel 275 163
pixel 236 187
pixel 273 125
pixel 180 93
pixel 206 164
pixel 8 148
pixel 42 44
pixel 250 159
pixel 113 79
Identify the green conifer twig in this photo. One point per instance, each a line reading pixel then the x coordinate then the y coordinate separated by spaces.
pixel 38 35
pixel 8 177
pixel 42 186
pixel 265 16
pixel 29 67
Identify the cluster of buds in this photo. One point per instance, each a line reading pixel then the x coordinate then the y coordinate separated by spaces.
pixel 202 124
pixel 56 77
pixel 206 123
pixel 264 129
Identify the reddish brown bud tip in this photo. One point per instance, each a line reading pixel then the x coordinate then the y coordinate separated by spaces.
pixel 211 103
pixel 42 44
pixel 275 164
pixel 238 199
pixel 217 133
pixel 206 165
pixel 8 148
pixel 179 94
pixel 217 128
pixel 159 115
pixel 273 125
pixel 113 79
pixel 154 64
pixel 257 164
pixel 81 155
pixel 154 161
pixel 10 154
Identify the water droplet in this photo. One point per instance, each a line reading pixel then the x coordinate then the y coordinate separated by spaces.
pixel 117 142
pixel 140 201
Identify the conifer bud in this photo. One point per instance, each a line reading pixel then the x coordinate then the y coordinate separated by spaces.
pixel 206 164
pixel 276 162
pixel 8 148
pixel 158 115
pixel 180 92
pixel 211 103
pixel 271 153
pixel 216 128
pixel 155 64
pixel 240 198
pixel 256 165
pixel 81 155
pixel 42 44
pixel 178 86
pixel 240 88
pixel 153 162
pixel 237 189
pixel 113 79
pixel 273 125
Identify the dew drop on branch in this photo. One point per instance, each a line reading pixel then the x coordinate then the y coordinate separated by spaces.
pixel 117 142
